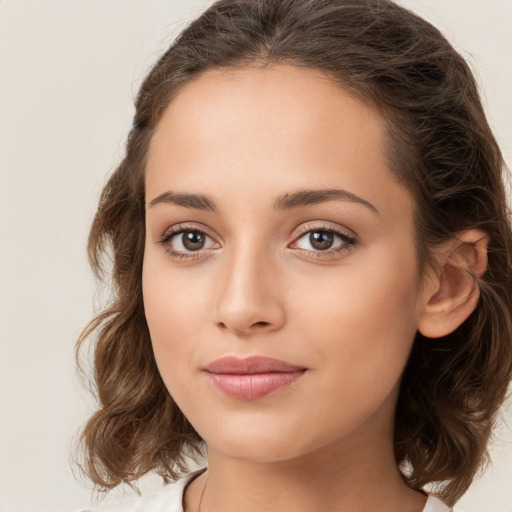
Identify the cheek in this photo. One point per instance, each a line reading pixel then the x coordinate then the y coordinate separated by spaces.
pixel 169 310
pixel 173 314
pixel 364 318
pixel 178 309
pixel 173 297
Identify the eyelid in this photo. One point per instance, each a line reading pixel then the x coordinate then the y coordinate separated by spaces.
pixel 322 225
pixel 186 226
pixel 348 237
pixel 186 256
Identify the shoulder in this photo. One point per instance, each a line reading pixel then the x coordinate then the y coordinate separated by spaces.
pixel 434 504
pixel 167 499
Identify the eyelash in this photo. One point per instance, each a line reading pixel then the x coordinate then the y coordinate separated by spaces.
pixel 167 237
pixel 348 241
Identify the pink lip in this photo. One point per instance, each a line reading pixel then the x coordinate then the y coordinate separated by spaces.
pixel 252 377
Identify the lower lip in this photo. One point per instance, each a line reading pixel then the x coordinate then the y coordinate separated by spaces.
pixel 252 386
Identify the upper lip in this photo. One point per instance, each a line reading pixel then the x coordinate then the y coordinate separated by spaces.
pixel 250 365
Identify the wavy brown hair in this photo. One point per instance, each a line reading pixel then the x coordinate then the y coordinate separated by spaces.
pixel 440 147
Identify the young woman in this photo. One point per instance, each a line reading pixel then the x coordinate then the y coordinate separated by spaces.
pixel 312 268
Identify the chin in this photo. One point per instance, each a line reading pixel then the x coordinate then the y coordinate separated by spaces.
pixel 261 450
pixel 253 440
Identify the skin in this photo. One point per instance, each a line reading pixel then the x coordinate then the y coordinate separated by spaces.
pixel 259 287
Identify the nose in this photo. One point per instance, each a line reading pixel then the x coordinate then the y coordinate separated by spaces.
pixel 250 298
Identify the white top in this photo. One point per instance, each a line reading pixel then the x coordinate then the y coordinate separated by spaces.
pixel 170 499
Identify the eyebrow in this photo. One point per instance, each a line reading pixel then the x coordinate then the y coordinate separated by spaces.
pixel 286 202
pixel 196 201
pixel 309 197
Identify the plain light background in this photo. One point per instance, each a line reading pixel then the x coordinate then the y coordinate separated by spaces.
pixel 69 70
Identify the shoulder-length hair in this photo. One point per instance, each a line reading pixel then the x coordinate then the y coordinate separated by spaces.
pixel 439 146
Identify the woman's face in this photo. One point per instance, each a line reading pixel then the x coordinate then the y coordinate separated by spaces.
pixel 275 229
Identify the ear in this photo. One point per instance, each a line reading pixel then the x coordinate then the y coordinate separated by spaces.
pixel 452 293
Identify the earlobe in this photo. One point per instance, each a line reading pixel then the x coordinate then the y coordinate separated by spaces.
pixel 453 292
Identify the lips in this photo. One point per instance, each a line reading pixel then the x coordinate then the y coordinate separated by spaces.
pixel 253 377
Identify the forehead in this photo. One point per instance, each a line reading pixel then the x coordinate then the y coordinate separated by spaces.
pixel 277 101
pixel 264 129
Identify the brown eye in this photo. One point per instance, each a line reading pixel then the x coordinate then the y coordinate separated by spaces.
pixel 329 241
pixel 321 240
pixel 193 240
pixel 182 242
pixel 187 241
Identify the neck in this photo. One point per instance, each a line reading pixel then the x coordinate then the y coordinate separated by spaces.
pixel 356 479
